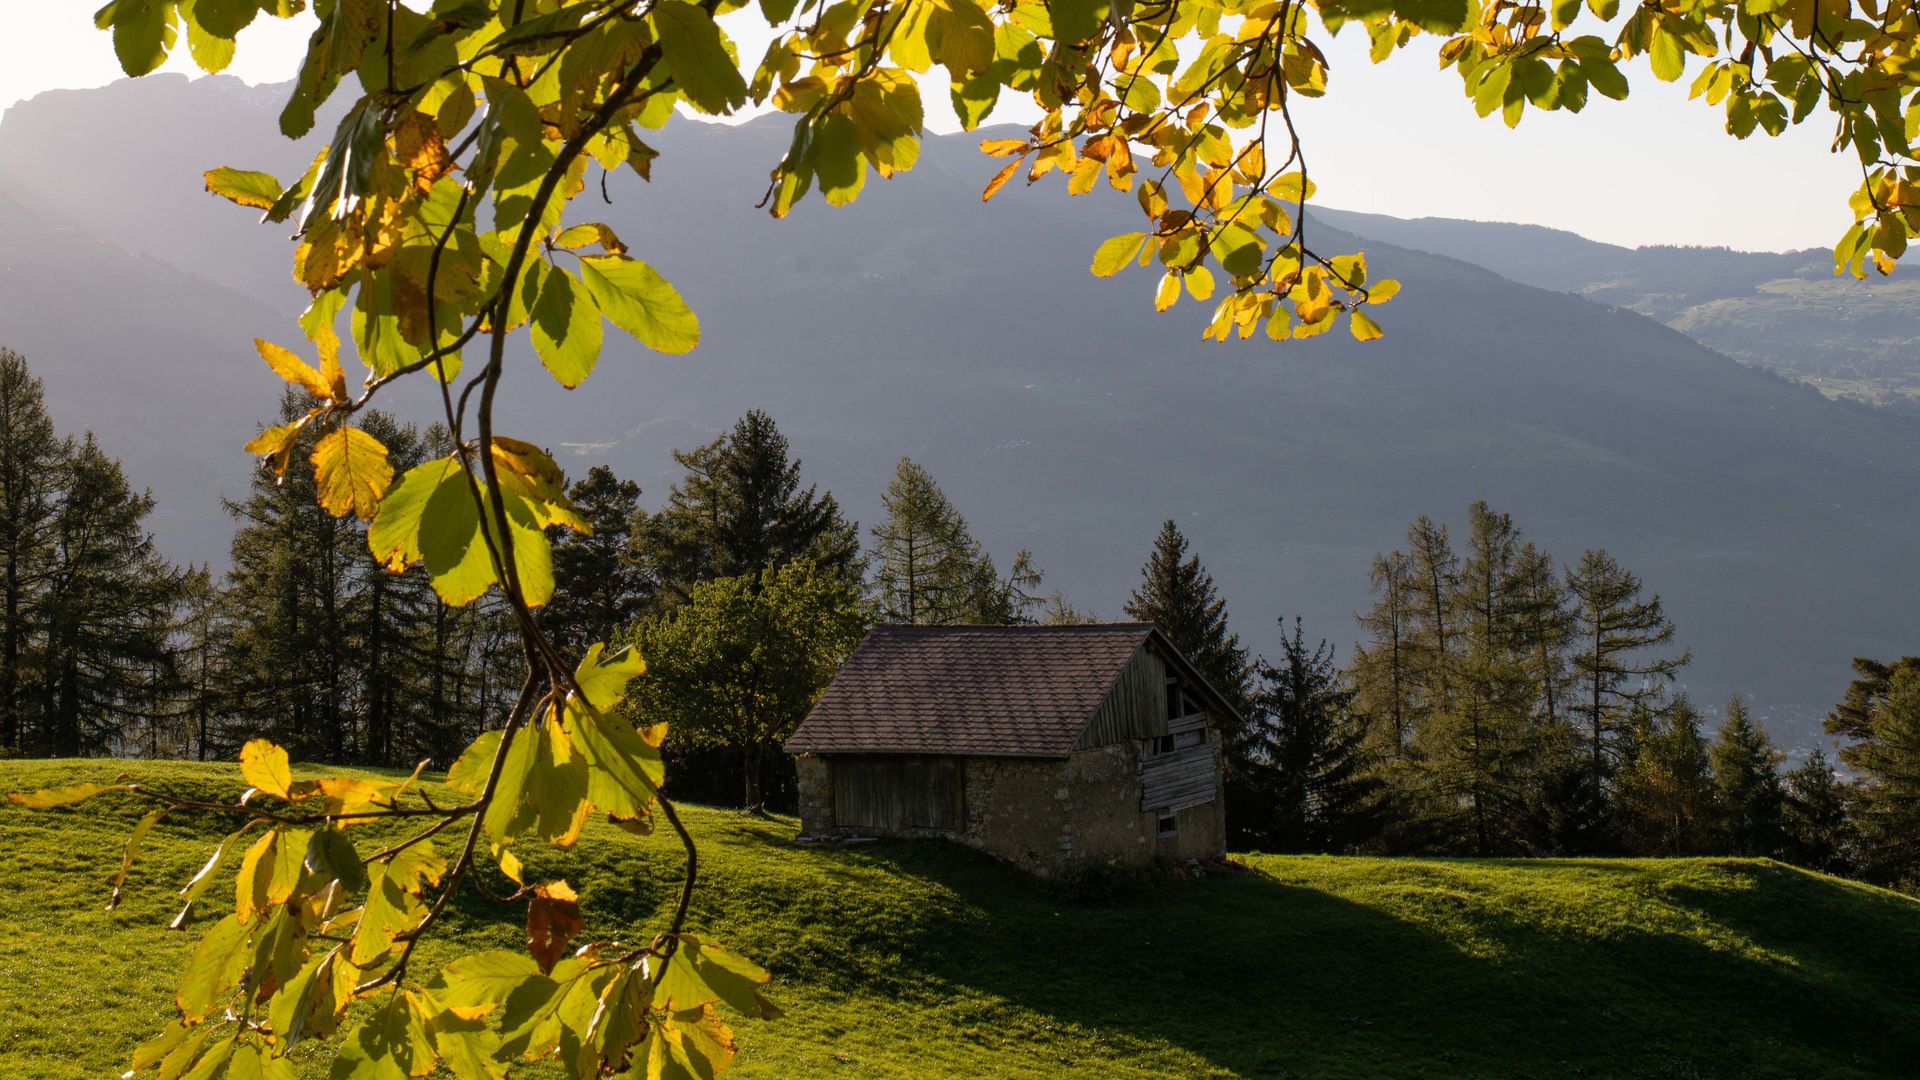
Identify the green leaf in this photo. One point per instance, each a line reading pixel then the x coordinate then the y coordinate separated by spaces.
pixel 292 1011
pixel 697 56
pixel 1564 12
pixel 394 536
pixel 1116 252
pixel 140 830
pixel 566 329
pixel 193 889
pixel 699 973
pixel 331 856
pixel 452 545
pixel 469 773
pixel 638 300
pixel 61 796
pixel 255 189
pixel 143 32
pixel 837 161
pixel 1076 20
pixel 390 1044
pixel 605 682
pixel 624 769
pixel 1668 57
pixel 215 965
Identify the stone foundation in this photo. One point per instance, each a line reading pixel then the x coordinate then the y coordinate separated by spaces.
pixel 1045 815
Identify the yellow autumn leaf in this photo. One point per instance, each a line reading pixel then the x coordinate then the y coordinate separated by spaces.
pixel 1363 326
pixel 351 471
pixel 294 370
pixel 264 766
pixel 1168 292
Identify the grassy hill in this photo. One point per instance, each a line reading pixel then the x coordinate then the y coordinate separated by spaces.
pixel 897 959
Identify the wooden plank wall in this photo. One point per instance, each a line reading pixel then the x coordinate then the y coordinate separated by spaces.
pixel 1175 781
pixel 1136 706
pixel 897 792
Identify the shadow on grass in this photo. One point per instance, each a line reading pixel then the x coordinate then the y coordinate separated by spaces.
pixel 1774 972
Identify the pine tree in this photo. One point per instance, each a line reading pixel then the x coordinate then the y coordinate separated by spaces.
pixel 1666 784
pixel 1613 629
pixel 1304 785
pixel 1177 595
pixel 30 455
pixel 1815 820
pixel 598 586
pixel 740 510
pixel 1746 778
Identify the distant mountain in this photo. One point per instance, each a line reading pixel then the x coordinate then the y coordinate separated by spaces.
pixel 1061 413
pixel 1784 311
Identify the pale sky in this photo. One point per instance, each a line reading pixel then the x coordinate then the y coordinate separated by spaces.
pixel 1399 138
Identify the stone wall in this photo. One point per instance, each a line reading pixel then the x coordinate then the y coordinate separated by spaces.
pixel 1046 815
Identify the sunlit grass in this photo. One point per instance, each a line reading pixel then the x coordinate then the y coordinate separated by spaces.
pixel 929 960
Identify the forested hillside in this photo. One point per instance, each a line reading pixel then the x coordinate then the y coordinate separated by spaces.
pixel 1769 520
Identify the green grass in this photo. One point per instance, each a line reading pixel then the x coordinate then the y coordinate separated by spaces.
pixel 930 960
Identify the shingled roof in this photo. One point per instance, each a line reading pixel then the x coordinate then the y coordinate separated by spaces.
pixel 1017 691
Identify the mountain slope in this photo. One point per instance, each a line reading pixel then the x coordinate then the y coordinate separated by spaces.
pixel 1784 311
pixel 1063 415
pixel 903 959
pixel 142 354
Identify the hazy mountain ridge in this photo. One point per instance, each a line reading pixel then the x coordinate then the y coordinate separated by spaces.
pixel 1059 411
pixel 1783 311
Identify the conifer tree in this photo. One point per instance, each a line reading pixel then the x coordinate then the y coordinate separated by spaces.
pixel 599 587
pixel 1383 671
pixel 1614 627
pixel 1666 784
pixel 929 568
pixel 1304 784
pixel 105 662
pixel 1881 714
pixel 1817 827
pixel 1435 569
pixel 1746 778
pixel 740 510
pixel 30 454
pixel 1177 595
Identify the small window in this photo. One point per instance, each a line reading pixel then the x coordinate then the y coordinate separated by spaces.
pixel 1162 744
pixel 1175 707
pixel 1169 826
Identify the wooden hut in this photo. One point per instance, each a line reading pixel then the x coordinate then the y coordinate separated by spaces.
pixel 1048 746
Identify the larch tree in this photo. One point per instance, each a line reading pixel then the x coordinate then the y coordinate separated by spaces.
pixel 1619 656
pixel 1383 672
pixel 436 225
pixel 928 568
